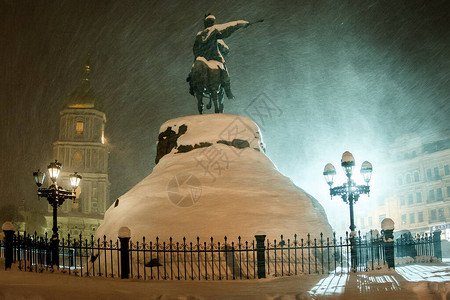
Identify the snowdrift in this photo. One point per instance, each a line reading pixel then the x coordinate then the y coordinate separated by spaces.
pixel 212 179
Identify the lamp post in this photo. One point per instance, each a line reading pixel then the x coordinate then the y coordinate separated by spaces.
pixel 56 196
pixel 349 192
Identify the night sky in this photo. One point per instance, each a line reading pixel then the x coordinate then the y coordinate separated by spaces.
pixel 342 75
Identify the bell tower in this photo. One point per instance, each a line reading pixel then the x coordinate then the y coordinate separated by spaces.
pixel 81 148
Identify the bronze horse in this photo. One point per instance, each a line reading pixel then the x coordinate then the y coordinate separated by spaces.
pixel 206 82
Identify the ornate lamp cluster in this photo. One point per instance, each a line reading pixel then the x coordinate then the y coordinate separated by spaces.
pixel 54 193
pixel 349 192
pixel 56 196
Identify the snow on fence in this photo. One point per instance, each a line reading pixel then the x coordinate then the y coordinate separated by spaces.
pixel 211 259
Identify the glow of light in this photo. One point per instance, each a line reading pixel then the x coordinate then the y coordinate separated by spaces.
pixel 53 169
pixel 308 177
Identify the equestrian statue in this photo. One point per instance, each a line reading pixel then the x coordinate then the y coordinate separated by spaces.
pixel 209 75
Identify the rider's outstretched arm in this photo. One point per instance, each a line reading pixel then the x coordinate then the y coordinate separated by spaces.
pixel 226 29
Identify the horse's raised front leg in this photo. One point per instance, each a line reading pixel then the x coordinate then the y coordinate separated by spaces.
pixel 220 98
pixel 208 106
pixel 200 102
pixel 216 105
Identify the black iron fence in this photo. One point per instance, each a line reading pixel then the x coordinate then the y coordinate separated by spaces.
pixel 412 246
pixel 211 259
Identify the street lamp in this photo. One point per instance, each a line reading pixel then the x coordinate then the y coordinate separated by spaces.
pixel 56 196
pixel 349 191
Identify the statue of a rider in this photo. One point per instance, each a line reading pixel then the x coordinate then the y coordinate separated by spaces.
pixel 209 44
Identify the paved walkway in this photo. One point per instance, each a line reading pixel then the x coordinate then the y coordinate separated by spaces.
pixel 425 272
pixel 415 281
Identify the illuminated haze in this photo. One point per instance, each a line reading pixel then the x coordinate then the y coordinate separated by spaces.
pixel 346 75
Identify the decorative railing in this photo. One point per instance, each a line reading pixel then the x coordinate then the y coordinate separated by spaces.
pixel 211 259
pixel 425 245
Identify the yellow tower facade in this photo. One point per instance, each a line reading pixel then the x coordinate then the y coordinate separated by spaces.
pixel 81 148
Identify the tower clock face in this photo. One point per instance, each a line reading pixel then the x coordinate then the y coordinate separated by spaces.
pixel 77 157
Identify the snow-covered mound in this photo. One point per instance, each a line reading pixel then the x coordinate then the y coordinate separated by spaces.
pixel 212 179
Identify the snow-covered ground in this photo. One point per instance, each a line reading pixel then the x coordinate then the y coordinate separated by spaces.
pixel 416 281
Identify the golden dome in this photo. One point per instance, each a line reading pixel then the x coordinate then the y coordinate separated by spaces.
pixel 83 96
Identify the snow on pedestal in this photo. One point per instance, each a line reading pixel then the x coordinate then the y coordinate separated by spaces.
pixel 387 224
pixel 213 179
pixel 8 226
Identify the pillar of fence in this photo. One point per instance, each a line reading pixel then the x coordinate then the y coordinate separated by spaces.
pixel 8 229
pixel 387 226
pixel 260 257
pixel 124 237
pixel 437 244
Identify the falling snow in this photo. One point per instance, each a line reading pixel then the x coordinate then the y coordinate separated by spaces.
pixel 344 75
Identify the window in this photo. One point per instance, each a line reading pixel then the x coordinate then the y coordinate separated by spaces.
pixel 436 173
pixel 410 199
pixel 370 221
pixel 403 219
pixel 400 180
pixel 448 191
pixel 412 218
pixel 429 176
pixel 79 127
pixel 439 195
pixel 408 178
pixel 402 200
pixel 416 176
pixel 446 170
pixel 420 216
pixel 433 215
pixel 431 196
pixel 441 214
pixel 419 197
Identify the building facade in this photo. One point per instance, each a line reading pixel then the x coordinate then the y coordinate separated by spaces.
pixel 418 197
pixel 81 148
